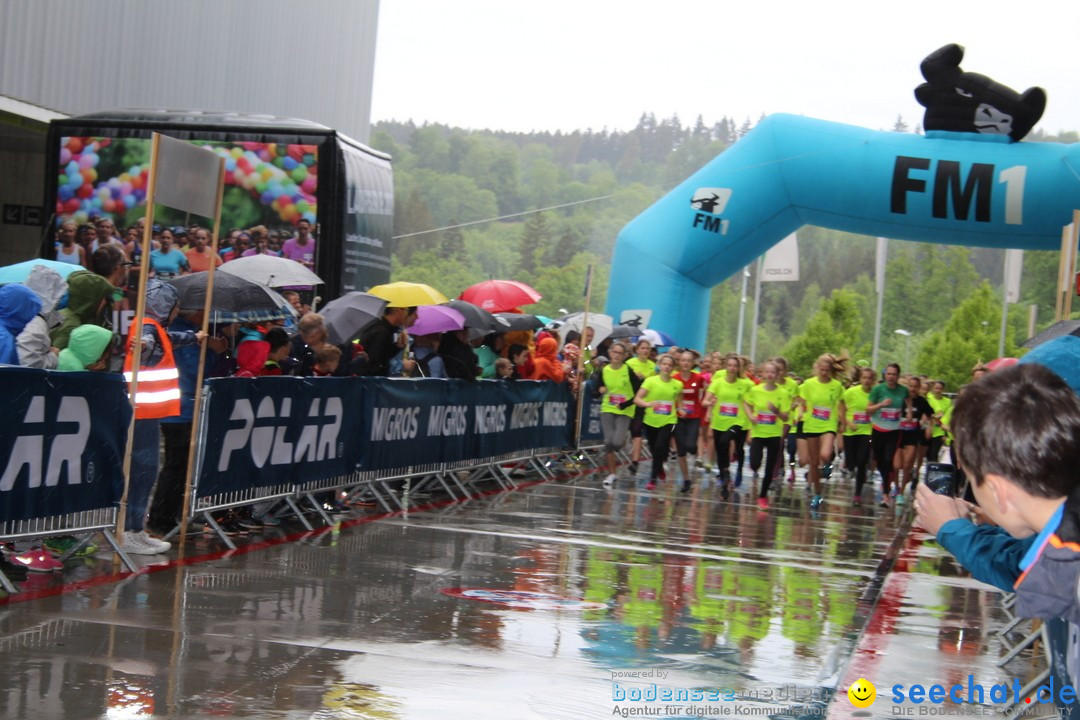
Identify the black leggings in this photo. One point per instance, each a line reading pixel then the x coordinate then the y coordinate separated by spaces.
pixel 686 436
pixel 934 451
pixel 857 458
pixel 659 443
pixel 884 446
pixel 772 449
pixel 721 443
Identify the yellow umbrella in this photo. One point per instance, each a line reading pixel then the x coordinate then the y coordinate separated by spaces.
pixel 407 294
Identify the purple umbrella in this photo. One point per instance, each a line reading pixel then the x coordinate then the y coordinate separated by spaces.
pixel 436 319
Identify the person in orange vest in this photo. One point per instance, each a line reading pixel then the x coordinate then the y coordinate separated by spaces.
pixel 157 396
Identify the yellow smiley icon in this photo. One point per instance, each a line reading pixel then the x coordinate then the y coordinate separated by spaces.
pixel 862 693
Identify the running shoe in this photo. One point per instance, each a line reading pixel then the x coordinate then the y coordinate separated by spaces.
pixel 651 485
pixel 36 560
pixel 632 467
pixel 60 545
pixel 663 475
pixel 900 499
pixel 685 487
pixel 738 478
pixel 609 481
pixel 826 471
pixel 894 491
pixel 139 543
pixel 816 502
pixel 763 503
pixel 857 501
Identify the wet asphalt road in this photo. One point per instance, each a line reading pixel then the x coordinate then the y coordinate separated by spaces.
pixel 597 592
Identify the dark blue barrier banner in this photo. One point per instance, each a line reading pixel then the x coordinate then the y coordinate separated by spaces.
pixel 420 422
pixel 278 431
pixel 590 419
pixel 62 441
pixel 271 431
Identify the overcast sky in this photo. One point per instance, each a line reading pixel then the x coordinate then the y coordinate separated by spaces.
pixel 576 64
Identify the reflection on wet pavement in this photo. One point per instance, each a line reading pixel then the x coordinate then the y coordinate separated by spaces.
pixel 761 608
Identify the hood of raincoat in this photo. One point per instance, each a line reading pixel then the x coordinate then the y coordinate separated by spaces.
pixel 18 306
pixel 547 348
pixel 160 300
pixel 86 290
pixel 87 344
pixel 48 285
pixel 251 355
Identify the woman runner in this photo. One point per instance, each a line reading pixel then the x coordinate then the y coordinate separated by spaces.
pixel 886 405
pixel 618 386
pixel 912 433
pixel 767 407
pixel 820 399
pixel 660 397
pixel 725 396
pixel 644 367
pixel 855 425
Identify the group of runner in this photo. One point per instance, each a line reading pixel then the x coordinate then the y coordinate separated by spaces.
pixel 710 406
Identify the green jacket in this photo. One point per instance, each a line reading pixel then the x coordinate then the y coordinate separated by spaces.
pixel 86 290
pixel 85 347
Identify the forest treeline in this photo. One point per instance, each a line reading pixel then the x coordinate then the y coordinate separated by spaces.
pixel 948 297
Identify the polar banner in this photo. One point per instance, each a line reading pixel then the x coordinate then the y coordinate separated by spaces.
pixel 423 422
pixel 269 431
pixel 63 443
pixel 590 418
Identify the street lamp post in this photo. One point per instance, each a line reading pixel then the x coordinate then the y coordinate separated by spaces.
pixel 907 345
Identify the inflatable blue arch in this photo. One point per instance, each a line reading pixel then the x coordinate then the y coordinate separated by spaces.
pixel 967 182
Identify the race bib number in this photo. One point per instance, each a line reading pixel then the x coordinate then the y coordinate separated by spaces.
pixel 766 418
pixel 729 409
pixel 860 418
pixel 821 413
pixel 909 424
pixel 614 399
pixel 688 406
pixel 662 408
pixel 890 415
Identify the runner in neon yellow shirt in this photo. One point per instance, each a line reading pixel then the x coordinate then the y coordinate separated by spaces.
pixel 767 407
pixel 661 398
pixel 618 386
pixel 855 425
pixel 728 418
pixel 820 399
pixel 942 406
pixel 644 367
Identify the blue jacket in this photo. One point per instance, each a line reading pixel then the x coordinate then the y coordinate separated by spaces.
pixel 989 553
pixel 187 363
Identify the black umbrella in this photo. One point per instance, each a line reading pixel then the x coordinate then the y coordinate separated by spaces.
pixel 351 314
pixel 521 321
pixel 235 299
pixel 623 331
pixel 476 318
pixel 1058 329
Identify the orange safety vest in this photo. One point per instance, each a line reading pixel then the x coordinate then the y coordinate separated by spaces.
pixel 159 386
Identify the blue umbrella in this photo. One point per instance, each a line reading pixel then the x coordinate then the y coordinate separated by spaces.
pixel 657 337
pixel 18 272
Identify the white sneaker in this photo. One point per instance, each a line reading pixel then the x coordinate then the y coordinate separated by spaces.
pixel 139 543
pixel 161 545
pixel 609 481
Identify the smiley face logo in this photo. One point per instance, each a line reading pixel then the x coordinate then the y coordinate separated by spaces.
pixel 862 693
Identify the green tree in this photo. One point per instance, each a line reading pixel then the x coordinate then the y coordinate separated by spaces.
pixel 535 236
pixel 565 249
pixel 413 216
pixel 834 328
pixel 453 244
pixel 970 335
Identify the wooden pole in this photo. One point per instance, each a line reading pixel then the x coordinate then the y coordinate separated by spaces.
pixel 1070 280
pixel 581 357
pixel 136 328
pixel 192 448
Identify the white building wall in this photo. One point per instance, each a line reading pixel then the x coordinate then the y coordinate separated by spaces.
pixel 310 59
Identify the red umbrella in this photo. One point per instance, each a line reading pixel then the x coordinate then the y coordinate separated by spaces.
pixel 500 295
pixel 1001 363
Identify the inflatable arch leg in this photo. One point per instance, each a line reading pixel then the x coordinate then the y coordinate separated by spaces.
pixel 958 188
